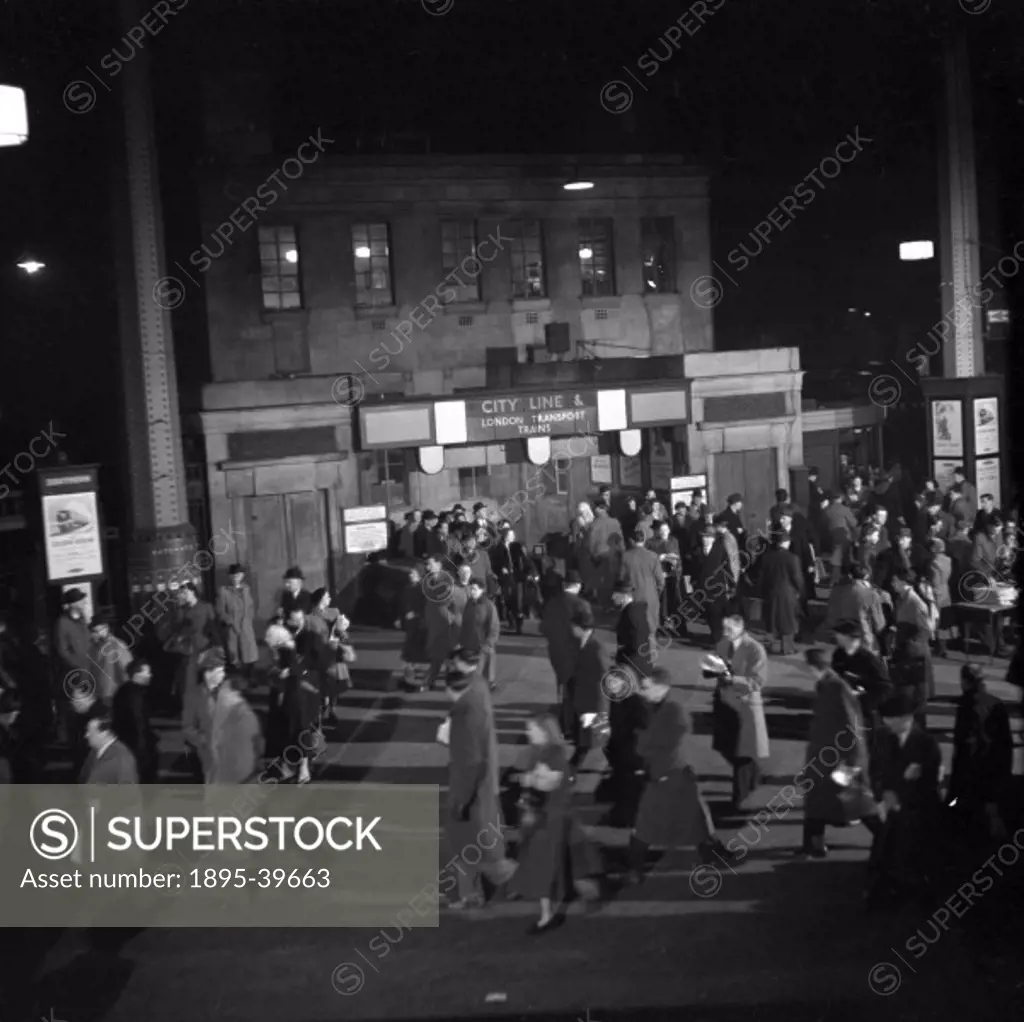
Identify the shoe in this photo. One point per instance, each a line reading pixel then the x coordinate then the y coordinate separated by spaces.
pixel 466 904
pixel 546 927
pixel 714 850
pixel 813 853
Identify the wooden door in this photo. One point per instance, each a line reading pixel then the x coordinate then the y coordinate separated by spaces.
pixel 283 531
pixel 754 475
pixel 268 552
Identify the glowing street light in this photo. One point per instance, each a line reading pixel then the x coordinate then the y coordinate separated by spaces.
pixel 362 252
pixel 586 253
pixel 13 116
pixel 913 251
pixel 578 186
pixel 31 266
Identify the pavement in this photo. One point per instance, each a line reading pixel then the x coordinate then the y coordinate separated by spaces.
pixel 775 937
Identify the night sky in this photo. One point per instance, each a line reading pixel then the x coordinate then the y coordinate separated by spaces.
pixel 759 94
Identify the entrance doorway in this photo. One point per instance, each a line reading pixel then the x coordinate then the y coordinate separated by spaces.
pixel 754 474
pixel 284 531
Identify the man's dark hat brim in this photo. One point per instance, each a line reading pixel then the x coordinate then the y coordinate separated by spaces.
pixel 72 596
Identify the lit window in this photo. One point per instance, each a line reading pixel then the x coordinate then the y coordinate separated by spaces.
pixel 528 260
pixel 458 256
pixel 279 268
pixel 474 482
pixel 597 258
pixel 371 251
pixel 562 470
pixel 658 248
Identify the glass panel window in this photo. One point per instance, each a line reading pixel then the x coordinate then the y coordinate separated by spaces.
pixel 528 260
pixel 474 482
pixel 279 268
pixel 458 248
pixel 658 248
pixel 562 471
pixel 371 252
pixel 389 482
pixel 597 258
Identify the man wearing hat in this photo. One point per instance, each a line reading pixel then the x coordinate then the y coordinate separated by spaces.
pixel 473 814
pixel 230 741
pixel 733 518
pixel 585 697
pixel 481 629
pixel 72 642
pixel 633 630
pixel 111 657
pixel 556 627
pixel 641 570
pixel 295 595
pixel 510 567
pixel 421 538
pixel 109 761
pixel 906 768
pixel 235 611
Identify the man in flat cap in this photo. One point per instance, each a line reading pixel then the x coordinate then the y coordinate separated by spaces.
pixel 235 611
pixel 231 742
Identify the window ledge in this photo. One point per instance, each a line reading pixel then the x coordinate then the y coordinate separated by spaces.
pixel 376 312
pixel 531 304
pixel 271 315
pixel 609 302
pixel 465 308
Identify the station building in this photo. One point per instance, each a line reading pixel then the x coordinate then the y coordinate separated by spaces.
pixel 421 331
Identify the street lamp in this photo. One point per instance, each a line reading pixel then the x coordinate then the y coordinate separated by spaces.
pixel 30 266
pixel 13 116
pixel 578 186
pixel 913 251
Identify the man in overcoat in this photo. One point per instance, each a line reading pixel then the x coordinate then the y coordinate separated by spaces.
pixel 585 695
pixel 781 592
pixel 740 729
pixel 232 739
pixel 481 629
pixel 235 611
pixel 672 812
pixel 473 814
pixel 641 569
pixel 556 627
pixel 836 742
pixel 510 567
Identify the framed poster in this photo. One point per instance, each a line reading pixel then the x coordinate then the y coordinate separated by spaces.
pixel 943 471
pixel 986 478
pixel 601 468
pixel 73 534
pixel 366 537
pixel 947 429
pixel 986 426
pixel 630 473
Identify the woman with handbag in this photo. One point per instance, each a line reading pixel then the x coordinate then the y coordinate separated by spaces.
pixel 834 783
pixel 555 855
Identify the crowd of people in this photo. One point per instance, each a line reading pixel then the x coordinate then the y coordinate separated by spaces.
pixel 892 584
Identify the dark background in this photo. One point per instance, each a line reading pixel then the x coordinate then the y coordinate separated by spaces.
pixel 759 95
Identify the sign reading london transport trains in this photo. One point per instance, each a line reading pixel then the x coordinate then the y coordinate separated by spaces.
pixel 525 415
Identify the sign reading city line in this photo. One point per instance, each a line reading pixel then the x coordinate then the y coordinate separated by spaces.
pixel 508 418
pixel 71 523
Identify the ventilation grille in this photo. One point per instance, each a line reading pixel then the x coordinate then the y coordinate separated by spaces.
pixel 601 314
pixel 531 318
pixel 380 324
pixel 465 320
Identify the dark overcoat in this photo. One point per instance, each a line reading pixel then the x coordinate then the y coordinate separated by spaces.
pixel 836 736
pixel 474 793
pixel 781 590
pixel 235 609
pixel 563 646
pixel 438 615
pixel 672 812
pixel 633 637
pixel 585 692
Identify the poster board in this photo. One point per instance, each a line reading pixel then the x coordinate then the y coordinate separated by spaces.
pixel 630 472
pixel 683 487
pixel 986 427
pixel 72 530
pixel 986 477
pixel 601 469
pixel 948 430
pixel 365 529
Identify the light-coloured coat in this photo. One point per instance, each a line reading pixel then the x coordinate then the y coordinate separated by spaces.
pixel 748 662
pixel 235 610
pixel 233 742
pixel 642 569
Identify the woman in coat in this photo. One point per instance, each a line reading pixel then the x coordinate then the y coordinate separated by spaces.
pixel 781 591
pixel 438 588
pixel 235 610
pixel 835 782
pixel 939 575
pixel 555 855
pixel 916 619
pixel 740 730
pixel 411 621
